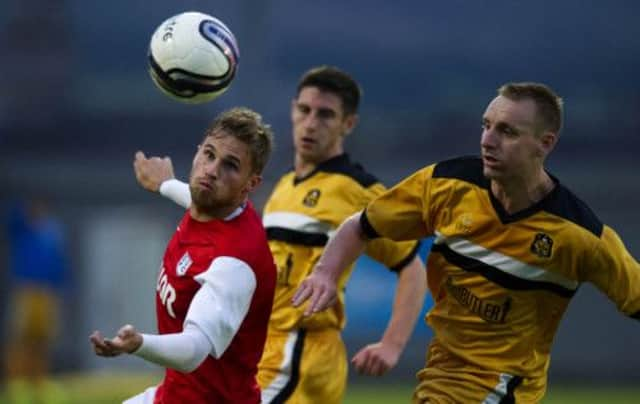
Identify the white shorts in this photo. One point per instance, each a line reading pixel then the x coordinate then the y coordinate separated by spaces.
pixel 143 398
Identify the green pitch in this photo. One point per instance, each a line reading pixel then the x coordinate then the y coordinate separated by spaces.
pixel 402 394
pixel 108 388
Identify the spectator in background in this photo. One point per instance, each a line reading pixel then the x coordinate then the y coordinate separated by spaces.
pixel 38 273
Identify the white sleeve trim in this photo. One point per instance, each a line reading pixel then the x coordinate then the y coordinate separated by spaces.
pixel 183 351
pixel 177 191
pixel 222 302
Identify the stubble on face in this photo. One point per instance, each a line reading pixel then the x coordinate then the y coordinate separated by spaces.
pixel 508 138
pixel 319 125
pixel 220 173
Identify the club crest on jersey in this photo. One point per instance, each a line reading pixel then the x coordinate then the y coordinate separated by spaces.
pixel 183 265
pixel 311 198
pixel 542 245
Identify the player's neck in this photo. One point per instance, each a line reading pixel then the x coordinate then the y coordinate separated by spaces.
pixel 518 194
pixel 200 214
pixel 304 166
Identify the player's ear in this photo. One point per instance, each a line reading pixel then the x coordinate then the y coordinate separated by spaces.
pixel 350 122
pixel 254 181
pixel 548 141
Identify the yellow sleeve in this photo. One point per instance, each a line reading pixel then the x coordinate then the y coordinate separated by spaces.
pixel 392 254
pixel 616 273
pixel 401 212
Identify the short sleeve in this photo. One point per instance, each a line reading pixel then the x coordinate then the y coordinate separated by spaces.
pixel 395 255
pixel 612 269
pixel 400 213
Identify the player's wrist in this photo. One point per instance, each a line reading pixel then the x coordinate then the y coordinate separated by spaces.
pixel 167 186
pixel 136 343
pixel 394 342
pixel 139 346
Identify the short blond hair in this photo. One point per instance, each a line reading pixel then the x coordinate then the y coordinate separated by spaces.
pixel 247 126
pixel 549 104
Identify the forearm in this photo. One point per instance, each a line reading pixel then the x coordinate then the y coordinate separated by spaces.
pixel 183 351
pixel 343 248
pixel 177 191
pixel 407 305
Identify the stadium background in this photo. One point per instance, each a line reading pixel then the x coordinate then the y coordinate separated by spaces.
pixel 76 103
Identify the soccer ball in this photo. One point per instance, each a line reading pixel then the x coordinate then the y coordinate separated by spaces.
pixel 193 57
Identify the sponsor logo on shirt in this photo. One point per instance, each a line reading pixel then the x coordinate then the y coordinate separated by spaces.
pixel 464 223
pixel 166 293
pixel 490 312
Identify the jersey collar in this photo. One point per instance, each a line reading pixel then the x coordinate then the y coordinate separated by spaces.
pixel 331 164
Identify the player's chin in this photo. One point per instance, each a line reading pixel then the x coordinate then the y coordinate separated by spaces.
pixel 491 173
pixel 204 198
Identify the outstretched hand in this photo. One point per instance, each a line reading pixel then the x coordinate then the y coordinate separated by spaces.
pixel 152 172
pixel 319 289
pixel 376 359
pixel 127 340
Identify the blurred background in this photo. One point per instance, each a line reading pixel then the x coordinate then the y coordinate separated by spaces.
pixel 76 102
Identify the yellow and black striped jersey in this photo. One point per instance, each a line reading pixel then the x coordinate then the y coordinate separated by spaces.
pixel 300 216
pixel 502 282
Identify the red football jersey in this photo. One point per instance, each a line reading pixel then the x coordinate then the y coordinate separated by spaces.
pixel 232 377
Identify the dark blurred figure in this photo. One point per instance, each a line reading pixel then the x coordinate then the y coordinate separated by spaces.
pixel 38 277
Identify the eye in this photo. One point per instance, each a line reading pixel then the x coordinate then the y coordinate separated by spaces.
pixel 304 109
pixel 231 165
pixel 509 131
pixel 326 114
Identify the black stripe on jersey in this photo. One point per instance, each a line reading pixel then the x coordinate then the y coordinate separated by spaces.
pixel 400 265
pixel 297 237
pixel 291 385
pixel 636 315
pixel 467 168
pixel 564 203
pixel 560 202
pixel 342 165
pixel 366 227
pixel 510 398
pixel 497 276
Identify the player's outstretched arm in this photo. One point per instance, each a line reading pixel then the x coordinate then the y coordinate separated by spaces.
pixel 182 351
pixel 377 358
pixel 155 174
pixel 127 340
pixel 341 250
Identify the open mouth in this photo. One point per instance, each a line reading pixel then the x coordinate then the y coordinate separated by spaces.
pixel 490 161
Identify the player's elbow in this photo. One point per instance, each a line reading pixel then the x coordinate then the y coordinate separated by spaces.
pixel 191 362
pixel 415 274
pixel 196 350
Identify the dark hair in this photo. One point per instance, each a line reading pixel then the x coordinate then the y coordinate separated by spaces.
pixel 548 103
pixel 246 126
pixel 333 80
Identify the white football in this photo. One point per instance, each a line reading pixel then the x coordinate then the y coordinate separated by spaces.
pixel 193 57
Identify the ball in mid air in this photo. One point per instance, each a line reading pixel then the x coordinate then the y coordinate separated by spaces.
pixel 193 57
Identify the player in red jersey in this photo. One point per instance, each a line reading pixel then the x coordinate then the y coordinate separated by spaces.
pixel 215 289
